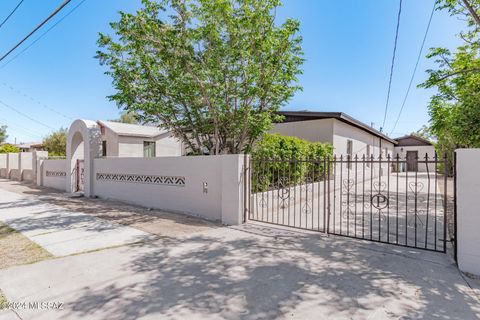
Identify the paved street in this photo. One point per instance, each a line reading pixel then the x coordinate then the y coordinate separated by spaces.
pixel 249 272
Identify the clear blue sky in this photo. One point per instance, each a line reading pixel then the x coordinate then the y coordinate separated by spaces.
pixel 348 47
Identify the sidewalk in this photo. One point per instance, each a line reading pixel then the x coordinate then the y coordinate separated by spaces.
pixel 60 231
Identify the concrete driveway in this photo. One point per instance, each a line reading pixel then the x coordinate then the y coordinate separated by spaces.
pixel 249 272
pixel 61 231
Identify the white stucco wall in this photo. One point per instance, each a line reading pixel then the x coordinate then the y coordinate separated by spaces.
pixel 3 160
pixel 13 166
pixel 51 174
pixel 165 146
pixel 342 132
pixel 26 160
pixel 468 212
pixel 131 146
pixel 168 146
pixel 320 130
pixel 3 165
pixel 422 150
pixel 221 174
pixel 112 142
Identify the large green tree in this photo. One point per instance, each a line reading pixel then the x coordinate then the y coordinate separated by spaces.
pixel 3 134
pixel 455 108
pixel 127 117
pixel 214 72
pixel 56 143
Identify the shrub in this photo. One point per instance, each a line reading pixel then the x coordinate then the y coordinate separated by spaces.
pixel 281 161
pixel 9 148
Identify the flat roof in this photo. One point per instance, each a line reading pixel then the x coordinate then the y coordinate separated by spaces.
pixel 295 116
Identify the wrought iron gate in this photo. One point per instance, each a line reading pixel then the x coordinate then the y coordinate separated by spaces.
pixel 375 199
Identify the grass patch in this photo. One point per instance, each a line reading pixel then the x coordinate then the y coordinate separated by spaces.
pixel 16 249
pixel 3 300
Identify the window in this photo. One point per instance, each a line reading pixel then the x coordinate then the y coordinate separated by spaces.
pixel 349 147
pixel 104 148
pixel 368 155
pixel 349 153
pixel 149 149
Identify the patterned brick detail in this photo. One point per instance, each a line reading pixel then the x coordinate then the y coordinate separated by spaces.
pixel 59 174
pixel 145 179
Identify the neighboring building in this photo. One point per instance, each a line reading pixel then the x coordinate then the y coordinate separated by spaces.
pixel 130 140
pixel 415 150
pixel 347 135
pixel 30 147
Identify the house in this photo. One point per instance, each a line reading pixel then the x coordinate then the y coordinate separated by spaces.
pixel 348 136
pixel 30 147
pixel 130 140
pixel 418 153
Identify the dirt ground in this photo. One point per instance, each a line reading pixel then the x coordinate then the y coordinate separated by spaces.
pixel 16 249
pixel 153 221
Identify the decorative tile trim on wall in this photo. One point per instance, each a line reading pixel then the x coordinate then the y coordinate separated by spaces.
pixel 139 178
pixel 59 174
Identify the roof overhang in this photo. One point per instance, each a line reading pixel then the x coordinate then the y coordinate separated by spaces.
pixel 295 116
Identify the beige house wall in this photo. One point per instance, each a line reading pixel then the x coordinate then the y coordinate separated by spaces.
pixel 343 132
pixel 337 133
pixel 401 151
pixel 131 146
pixel 112 142
pixel 320 130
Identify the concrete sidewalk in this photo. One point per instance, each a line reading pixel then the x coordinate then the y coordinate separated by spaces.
pixel 60 231
pixel 250 272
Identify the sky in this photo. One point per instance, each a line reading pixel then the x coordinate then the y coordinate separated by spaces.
pixel 348 48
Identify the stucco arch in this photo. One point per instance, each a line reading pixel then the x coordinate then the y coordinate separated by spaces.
pixel 84 142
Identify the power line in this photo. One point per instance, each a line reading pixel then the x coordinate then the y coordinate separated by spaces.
pixel 416 65
pixel 34 30
pixel 25 115
pixel 28 132
pixel 42 35
pixel 11 13
pixel 393 64
pixel 36 101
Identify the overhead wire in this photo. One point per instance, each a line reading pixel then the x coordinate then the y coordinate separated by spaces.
pixel 25 115
pixel 37 101
pixel 392 65
pixel 416 66
pixel 36 29
pixel 42 35
pixel 11 13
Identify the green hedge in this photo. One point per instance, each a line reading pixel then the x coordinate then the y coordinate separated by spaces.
pixel 8 148
pixel 282 161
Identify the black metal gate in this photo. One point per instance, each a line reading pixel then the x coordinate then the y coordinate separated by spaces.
pixel 376 199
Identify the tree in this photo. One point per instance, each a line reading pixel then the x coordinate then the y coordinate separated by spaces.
pixel 455 108
pixel 9 148
pixel 3 134
pixel 214 72
pixel 128 117
pixel 425 132
pixel 56 143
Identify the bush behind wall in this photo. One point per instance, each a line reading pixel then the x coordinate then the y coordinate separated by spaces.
pixel 281 161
